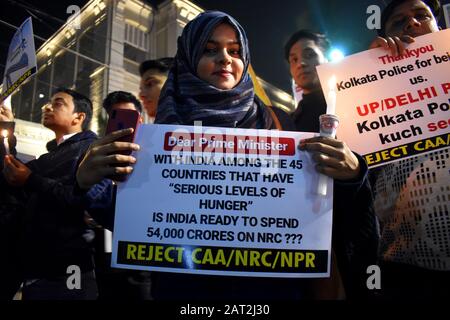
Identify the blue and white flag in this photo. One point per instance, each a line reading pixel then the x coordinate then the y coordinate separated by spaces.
pixel 21 62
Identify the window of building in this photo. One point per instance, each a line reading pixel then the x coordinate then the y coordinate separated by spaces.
pixel 66 61
pixel 132 58
pixel 41 93
pixel 136 37
pixel 22 100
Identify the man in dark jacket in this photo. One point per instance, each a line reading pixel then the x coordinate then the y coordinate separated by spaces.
pixel 355 234
pixel 54 249
pixel 114 283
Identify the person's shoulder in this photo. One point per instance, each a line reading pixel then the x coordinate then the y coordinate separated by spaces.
pixel 86 135
pixel 285 119
pixel 81 141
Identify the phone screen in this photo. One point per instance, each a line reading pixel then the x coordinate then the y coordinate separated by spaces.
pixel 123 119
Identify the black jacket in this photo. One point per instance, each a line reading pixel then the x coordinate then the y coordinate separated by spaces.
pixel 53 230
pixel 306 116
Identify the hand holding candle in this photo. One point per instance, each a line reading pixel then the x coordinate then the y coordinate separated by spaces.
pixel 15 172
pixel 328 127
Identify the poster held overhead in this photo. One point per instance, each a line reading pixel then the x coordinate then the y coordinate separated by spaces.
pixel 393 107
pixel 21 61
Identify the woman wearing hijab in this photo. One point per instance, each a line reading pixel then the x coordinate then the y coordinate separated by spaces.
pixel 209 82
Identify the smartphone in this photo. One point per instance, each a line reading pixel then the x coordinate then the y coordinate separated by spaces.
pixel 118 120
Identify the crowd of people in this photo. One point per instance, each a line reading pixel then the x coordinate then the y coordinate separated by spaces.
pixel 56 210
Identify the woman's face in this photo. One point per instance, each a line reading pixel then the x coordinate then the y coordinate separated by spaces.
pixel 221 64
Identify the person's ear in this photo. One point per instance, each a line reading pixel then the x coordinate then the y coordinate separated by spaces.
pixel 80 117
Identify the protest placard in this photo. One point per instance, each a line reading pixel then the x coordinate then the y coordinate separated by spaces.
pixel 21 61
pixel 393 107
pixel 223 201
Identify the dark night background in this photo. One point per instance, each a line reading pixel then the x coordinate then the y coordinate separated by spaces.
pixel 268 24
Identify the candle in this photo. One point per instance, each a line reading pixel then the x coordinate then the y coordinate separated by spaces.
pixel 5 141
pixel 322 185
pixel 331 105
pixel 328 127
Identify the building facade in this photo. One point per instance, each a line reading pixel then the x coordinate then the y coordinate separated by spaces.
pixel 99 51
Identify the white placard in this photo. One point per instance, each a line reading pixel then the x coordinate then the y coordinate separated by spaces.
pixel 392 108
pixel 223 201
pixel 21 61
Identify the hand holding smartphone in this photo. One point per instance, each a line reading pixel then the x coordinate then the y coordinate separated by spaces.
pixel 123 119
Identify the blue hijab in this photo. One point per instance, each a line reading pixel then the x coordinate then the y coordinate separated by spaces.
pixel 185 98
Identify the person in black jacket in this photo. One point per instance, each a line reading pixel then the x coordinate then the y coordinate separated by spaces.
pixel 54 247
pixel 355 233
pixel 114 283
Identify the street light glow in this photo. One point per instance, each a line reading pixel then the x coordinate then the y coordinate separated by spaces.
pixel 336 55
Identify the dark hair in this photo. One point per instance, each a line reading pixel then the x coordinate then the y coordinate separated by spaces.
pixel 81 104
pixel 320 40
pixel 434 5
pixel 162 65
pixel 121 97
